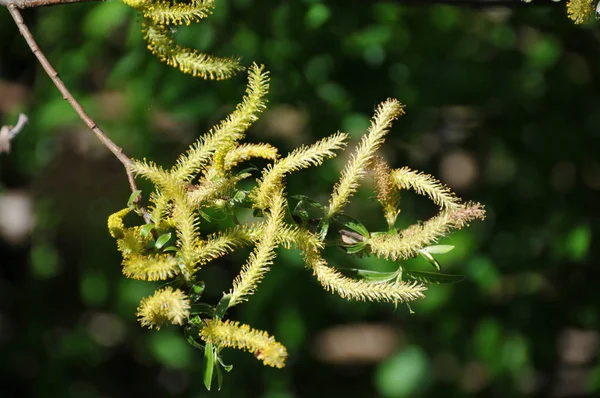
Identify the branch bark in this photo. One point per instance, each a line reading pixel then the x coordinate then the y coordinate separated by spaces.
pixel 104 139
pixel 39 3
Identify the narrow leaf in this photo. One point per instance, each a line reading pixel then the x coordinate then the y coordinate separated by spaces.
pixel 431 259
pixel 322 229
pixel 162 240
pixel 219 377
pixel 314 209
pixel 432 277
pixel 190 338
pixel 196 291
pixel 352 224
pixel 226 367
pixel 209 364
pixel 355 248
pixel 438 249
pixel 222 306
pixel 146 229
pixel 133 197
pixel 368 275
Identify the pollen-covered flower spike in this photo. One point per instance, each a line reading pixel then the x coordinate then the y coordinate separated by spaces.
pixel 243 337
pixel 164 306
pixel 580 11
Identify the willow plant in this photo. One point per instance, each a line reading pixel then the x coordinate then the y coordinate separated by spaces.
pixel 170 245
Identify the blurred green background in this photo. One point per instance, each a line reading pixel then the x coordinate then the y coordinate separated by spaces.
pixel 502 105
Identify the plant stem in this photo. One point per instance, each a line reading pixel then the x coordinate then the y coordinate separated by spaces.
pixel 39 3
pixel 104 139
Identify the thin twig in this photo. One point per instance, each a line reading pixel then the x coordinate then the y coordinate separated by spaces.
pixel 7 133
pixel 39 3
pixel 107 142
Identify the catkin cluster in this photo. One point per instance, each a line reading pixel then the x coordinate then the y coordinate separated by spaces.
pixel 173 248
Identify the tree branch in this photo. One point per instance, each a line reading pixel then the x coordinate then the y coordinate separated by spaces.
pixel 39 3
pixel 107 142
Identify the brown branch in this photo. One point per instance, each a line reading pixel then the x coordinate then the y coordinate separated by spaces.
pixel 39 3
pixel 107 142
pixel 7 133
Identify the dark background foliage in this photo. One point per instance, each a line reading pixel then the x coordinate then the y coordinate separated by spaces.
pixel 502 104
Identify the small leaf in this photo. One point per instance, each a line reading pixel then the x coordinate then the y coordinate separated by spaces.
pixel 162 240
pixel 433 277
pixel 352 224
pixel 371 276
pixel 322 229
pixel 133 197
pixel 241 200
pixel 209 365
pixel 196 291
pixel 226 367
pixel 431 259
pixel 314 209
pixel 146 229
pixel 222 306
pixel 219 377
pixel 188 332
pixel 355 248
pixel 171 249
pixel 209 218
pixel 438 249
pixel 302 215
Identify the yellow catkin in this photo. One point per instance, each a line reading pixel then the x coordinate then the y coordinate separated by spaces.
pixel 164 306
pixel 388 193
pixel 150 268
pixel 580 11
pixel 243 337
pixel 115 223
pixel 356 167
pixel 424 184
pixel 406 243
pixel 351 289
pixel 300 158
pixel 260 260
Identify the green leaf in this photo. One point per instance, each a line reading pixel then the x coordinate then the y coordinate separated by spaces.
pixel 432 277
pixel 226 367
pixel 146 229
pixel 371 276
pixel 355 248
pixel 438 249
pixel 133 197
pixel 190 337
pixel 171 249
pixel 241 200
pixel 352 224
pixel 431 259
pixel 302 215
pixel 222 306
pixel 322 229
pixel 162 240
pixel 196 291
pixel 209 365
pixel 209 218
pixel 314 209
pixel 219 378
